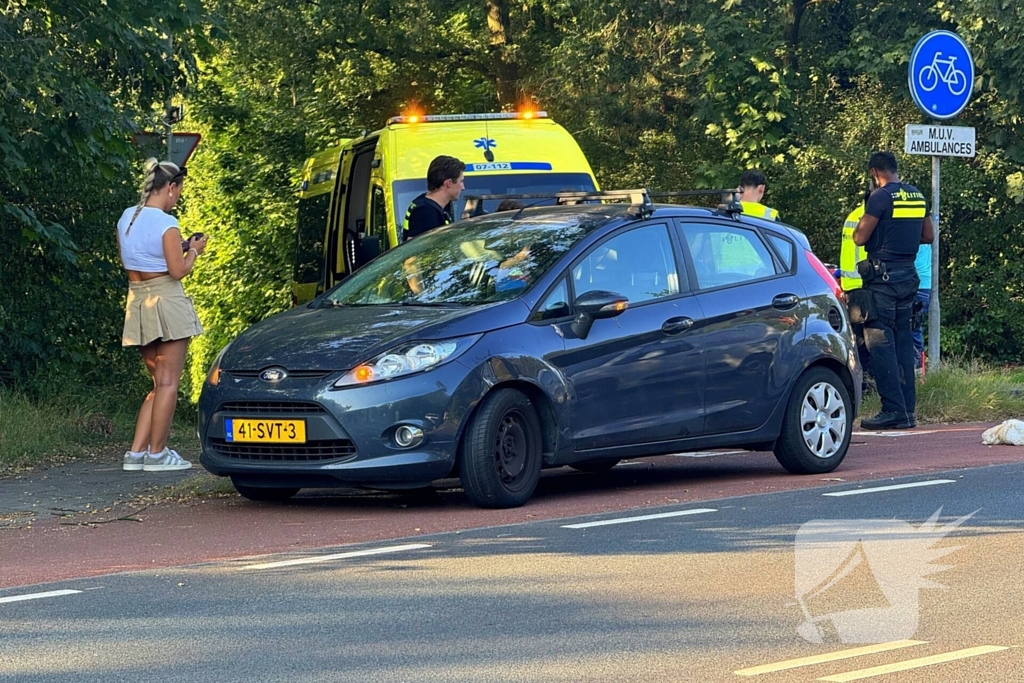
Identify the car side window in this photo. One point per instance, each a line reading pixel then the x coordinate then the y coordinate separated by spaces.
pixel 638 264
pixel 726 255
pixel 784 248
pixel 555 305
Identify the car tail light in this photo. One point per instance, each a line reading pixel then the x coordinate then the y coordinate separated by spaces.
pixel 821 270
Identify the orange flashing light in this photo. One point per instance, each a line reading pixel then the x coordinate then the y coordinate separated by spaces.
pixel 364 373
pixel 620 306
pixel 413 119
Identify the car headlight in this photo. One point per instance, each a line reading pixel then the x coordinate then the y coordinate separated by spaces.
pixel 213 377
pixel 406 360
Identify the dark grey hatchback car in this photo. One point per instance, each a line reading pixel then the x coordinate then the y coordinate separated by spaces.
pixel 561 335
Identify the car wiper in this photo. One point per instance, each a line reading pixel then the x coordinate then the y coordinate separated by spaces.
pixel 435 304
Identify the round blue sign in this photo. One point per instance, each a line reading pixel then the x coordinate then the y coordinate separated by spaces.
pixel 941 74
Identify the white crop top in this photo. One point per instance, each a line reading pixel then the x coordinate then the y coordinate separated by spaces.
pixel 143 248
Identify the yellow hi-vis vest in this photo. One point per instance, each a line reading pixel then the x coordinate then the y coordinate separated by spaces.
pixel 850 254
pixel 760 211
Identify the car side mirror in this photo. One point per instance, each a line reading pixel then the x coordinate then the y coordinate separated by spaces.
pixel 596 305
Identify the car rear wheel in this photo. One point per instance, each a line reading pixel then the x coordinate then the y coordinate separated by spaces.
pixel 264 495
pixel 595 466
pixel 817 426
pixel 500 459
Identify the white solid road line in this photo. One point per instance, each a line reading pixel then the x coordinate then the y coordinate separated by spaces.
pixel 827 657
pixel 908 432
pixel 339 556
pixel 913 485
pixel 914 664
pixel 37 596
pixel 642 518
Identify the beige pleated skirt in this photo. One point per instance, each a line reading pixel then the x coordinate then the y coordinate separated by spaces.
pixel 158 309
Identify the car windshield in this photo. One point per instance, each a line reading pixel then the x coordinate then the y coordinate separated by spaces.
pixel 477 261
pixel 514 183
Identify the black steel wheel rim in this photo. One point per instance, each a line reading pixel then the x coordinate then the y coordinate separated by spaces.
pixel 511 449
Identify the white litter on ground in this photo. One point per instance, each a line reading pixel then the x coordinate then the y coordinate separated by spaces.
pixel 1010 432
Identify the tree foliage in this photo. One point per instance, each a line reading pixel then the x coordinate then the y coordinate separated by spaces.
pixel 670 95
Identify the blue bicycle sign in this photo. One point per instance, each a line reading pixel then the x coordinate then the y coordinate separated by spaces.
pixel 941 73
pixel 942 70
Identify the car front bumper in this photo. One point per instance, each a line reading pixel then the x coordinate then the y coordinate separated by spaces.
pixel 348 431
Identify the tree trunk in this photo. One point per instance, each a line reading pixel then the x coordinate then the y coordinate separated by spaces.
pixel 505 70
pixel 793 39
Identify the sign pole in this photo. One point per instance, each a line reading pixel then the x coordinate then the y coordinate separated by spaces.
pixel 941 78
pixel 934 317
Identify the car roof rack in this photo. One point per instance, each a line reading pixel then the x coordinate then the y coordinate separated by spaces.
pixel 639 199
pixel 730 204
pixel 641 205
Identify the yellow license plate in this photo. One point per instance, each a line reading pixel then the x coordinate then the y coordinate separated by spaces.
pixel 265 431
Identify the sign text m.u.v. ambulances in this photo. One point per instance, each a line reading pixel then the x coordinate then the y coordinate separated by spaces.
pixel 945 141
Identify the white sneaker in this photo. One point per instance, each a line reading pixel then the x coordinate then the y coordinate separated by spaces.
pixel 133 463
pixel 165 461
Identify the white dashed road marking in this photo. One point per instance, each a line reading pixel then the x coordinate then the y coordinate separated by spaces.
pixel 641 518
pixel 339 556
pixel 37 596
pixel 876 489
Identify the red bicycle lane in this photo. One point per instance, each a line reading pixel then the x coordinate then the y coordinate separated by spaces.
pixel 213 529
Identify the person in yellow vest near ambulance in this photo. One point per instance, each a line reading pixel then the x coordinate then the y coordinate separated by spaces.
pixel 850 253
pixel 752 186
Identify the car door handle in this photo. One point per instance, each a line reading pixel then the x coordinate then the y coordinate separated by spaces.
pixel 677 325
pixel 785 301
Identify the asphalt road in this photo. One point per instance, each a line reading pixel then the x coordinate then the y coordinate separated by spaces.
pixel 82 519
pixel 695 591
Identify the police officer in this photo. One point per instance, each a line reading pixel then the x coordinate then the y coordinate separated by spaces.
pixel 894 224
pixel 433 208
pixel 752 187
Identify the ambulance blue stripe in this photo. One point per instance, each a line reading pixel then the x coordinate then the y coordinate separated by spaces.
pixel 509 166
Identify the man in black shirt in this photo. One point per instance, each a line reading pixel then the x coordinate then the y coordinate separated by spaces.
pixel 445 182
pixel 894 224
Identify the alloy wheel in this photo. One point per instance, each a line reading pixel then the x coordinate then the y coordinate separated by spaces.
pixel 823 420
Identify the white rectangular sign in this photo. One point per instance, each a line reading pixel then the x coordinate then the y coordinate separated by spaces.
pixel 940 141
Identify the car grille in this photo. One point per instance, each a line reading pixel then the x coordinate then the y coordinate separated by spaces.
pixel 316 451
pixel 264 407
pixel 292 374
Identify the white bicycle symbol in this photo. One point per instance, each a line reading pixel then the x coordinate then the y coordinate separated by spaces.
pixel 954 78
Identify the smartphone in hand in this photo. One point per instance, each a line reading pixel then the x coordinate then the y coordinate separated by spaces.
pixel 185 243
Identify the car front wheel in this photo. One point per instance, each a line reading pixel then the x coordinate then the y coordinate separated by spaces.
pixel 501 453
pixel 817 425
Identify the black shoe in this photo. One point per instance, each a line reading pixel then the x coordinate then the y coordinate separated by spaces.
pixel 911 420
pixel 886 421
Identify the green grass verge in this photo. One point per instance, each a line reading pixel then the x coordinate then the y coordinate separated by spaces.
pixel 34 432
pixel 965 391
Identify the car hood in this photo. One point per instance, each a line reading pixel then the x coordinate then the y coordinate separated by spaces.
pixel 340 338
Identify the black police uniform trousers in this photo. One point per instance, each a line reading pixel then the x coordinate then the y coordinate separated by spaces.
pixel 888 337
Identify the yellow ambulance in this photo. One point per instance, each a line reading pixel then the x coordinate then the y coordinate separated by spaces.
pixel 318 174
pixel 380 173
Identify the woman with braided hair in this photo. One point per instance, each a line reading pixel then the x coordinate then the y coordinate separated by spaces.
pixel 159 318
